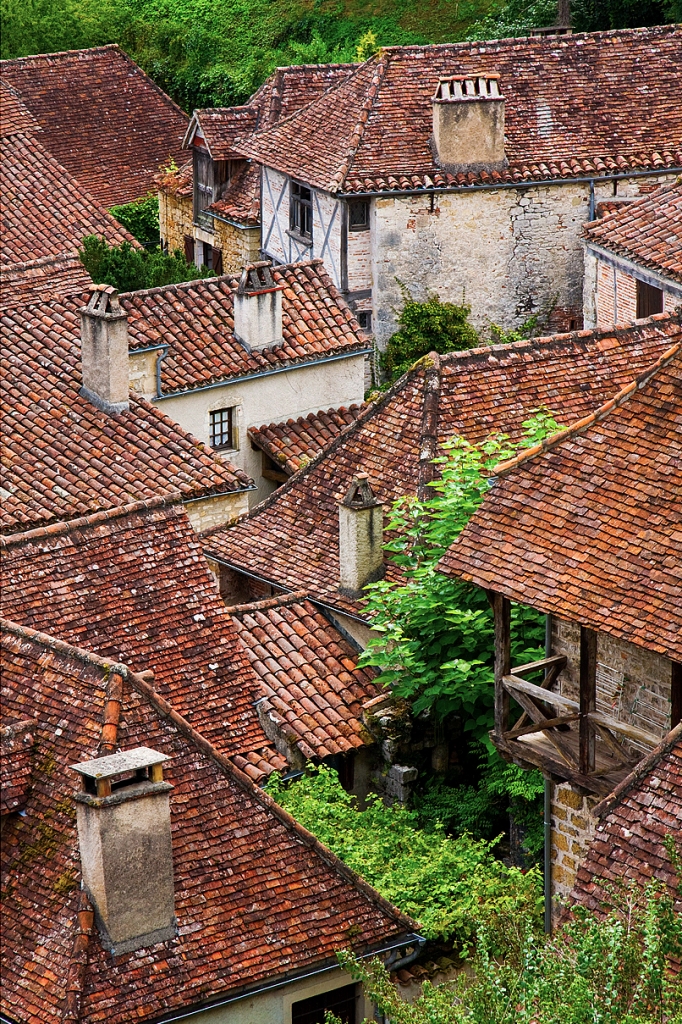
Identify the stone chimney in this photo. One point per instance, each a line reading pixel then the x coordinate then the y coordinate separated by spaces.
pixel 258 308
pixel 124 835
pixel 468 123
pixel 361 555
pixel 104 350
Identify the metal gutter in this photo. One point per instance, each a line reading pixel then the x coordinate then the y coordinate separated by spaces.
pixel 235 223
pixel 220 494
pixel 632 269
pixel 411 939
pixel 230 381
pixel 387 193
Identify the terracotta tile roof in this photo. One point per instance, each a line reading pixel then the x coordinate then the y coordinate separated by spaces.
pixel 566 113
pixel 294 443
pixel 648 231
pixel 196 320
pixel 102 117
pixel 291 538
pixel 152 602
pixel 62 457
pixel 44 213
pixel 587 526
pixel 241 199
pixel 308 672
pixel 256 896
pixel 220 126
pixel 288 89
pixel 16 748
pixel 635 819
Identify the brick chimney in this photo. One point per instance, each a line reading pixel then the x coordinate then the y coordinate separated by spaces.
pixel 124 835
pixel 104 350
pixel 258 308
pixel 468 123
pixel 361 555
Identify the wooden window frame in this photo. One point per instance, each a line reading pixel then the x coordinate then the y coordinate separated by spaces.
pixel 227 437
pixel 301 210
pixel 649 300
pixel 354 206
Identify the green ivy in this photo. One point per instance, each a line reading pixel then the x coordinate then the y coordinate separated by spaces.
pixel 129 269
pixel 443 882
pixel 141 218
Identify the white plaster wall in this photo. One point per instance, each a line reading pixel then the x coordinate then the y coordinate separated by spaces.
pixel 275 214
pixel 327 215
pixel 275 1007
pixel 508 253
pixel 268 399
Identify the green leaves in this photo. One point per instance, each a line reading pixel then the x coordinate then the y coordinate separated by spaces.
pixel 445 883
pixel 129 269
pixel 141 218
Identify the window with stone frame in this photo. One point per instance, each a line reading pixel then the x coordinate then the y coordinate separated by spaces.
pixel 358 214
pixel 222 429
pixel 301 210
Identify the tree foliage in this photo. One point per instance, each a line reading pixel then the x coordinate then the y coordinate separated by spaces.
pixel 129 269
pixel 609 968
pixel 141 218
pixel 443 882
pixel 429 326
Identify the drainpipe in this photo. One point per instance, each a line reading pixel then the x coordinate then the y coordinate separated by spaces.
pixel 162 355
pixel 548 809
pixel 592 201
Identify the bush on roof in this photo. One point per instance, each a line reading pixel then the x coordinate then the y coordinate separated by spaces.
pixel 129 269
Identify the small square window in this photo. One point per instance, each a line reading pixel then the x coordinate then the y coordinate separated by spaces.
pixel 364 318
pixel 649 300
pixel 222 428
pixel 301 214
pixel 358 215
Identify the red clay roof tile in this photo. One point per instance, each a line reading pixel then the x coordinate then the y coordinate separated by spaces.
pixel 294 443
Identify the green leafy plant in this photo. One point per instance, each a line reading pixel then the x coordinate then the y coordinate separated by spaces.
pixel 429 326
pixel 141 218
pixel 445 883
pixel 599 968
pixel 129 269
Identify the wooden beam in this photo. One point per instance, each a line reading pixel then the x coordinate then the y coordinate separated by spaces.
pixel 540 717
pixel 625 729
pixel 502 613
pixel 550 723
pixel 539 693
pixel 555 659
pixel 588 697
pixel 675 694
pixel 530 755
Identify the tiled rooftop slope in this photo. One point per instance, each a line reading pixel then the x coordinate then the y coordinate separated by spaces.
pixel 291 539
pixel 256 896
pixel 196 320
pixel 44 213
pixel 588 526
pixel 102 117
pixel 62 457
pixel 308 673
pixel 294 443
pixel 568 113
pixel 648 231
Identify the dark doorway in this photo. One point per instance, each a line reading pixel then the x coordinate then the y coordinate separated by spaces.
pixel 340 1001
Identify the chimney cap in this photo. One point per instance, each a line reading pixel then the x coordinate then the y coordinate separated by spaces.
pixel 482 85
pixel 117 764
pixel 103 302
pixel 360 493
pixel 257 278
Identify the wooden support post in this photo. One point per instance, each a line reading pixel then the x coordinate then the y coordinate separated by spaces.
pixel 588 697
pixel 502 612
pixel 675 694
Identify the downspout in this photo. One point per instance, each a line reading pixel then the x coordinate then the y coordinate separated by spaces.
pixel 592 201
pixel 548 809
pixel 162 355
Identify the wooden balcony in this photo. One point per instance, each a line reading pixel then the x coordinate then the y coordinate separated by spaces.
pixel 564 738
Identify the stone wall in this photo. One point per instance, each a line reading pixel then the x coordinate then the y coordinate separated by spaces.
pixel 175 219
pixel 633 684
pixel 216 510
pixel 238 245
pixel 142 371
pixel 573 827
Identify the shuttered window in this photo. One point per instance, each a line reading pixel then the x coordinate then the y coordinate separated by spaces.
pixel 649 300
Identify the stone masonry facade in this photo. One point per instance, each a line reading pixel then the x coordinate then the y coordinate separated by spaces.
pixel 238 245
pixel 573 827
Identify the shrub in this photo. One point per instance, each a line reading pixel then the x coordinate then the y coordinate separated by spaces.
pixel 141 218
pixel 129 269
pixel 430 326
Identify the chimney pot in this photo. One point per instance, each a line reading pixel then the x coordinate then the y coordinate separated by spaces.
pixel 123 814
pixel 468 123
pixel 104 350
pixel 361 554
pixel 258 308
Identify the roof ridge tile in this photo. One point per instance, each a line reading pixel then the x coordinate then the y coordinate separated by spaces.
pixel 106 515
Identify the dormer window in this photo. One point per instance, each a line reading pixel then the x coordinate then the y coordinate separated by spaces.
pixel 301 210
pixel 210 177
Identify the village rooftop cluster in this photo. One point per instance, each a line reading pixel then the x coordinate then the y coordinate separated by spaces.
pixel 196 490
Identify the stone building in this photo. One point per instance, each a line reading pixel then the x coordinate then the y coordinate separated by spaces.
pixel 209 206
pixel 102 119
pixel 292 541
pixel 226 354
pixel 633 259
pixel 466 169
pixel 77 441
pixel 585 528
pixel 40 240
pixel 147 877
pixel 289 446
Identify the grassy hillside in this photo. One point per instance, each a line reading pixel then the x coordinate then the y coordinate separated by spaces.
pixel 216 52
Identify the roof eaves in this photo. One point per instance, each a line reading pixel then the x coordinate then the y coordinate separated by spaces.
pixel 639 772
pixel 58 529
